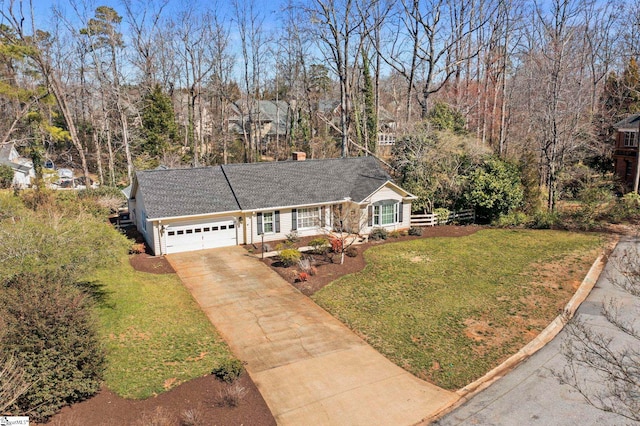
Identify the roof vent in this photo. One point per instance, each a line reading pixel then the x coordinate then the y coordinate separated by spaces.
pixel 298 156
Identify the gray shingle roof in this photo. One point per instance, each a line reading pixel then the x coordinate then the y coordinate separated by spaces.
pixel 629 123
pixel 184 192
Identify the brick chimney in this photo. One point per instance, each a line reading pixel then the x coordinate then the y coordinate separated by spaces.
pixel 298 156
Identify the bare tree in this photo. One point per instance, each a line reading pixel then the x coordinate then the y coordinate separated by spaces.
pixel 339 26
pixel 605 368
pixel 12 382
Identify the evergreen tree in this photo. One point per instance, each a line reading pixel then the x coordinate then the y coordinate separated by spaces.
pixel 158 122
pixel 370 117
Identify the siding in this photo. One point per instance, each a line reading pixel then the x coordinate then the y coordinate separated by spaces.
pixel 285 228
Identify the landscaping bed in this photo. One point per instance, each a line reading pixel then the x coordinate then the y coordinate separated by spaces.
pixel 203 399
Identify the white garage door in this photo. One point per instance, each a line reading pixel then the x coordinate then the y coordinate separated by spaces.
pixel 218 233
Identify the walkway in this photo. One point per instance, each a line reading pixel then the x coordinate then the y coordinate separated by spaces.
pixel 309 367
pixel 531 394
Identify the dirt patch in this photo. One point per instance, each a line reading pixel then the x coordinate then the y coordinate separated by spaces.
pixel 550 289
pixel 206 399
pixel 327 268
pixel 144 262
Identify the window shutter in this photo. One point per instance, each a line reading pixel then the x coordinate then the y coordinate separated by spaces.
pixel 400 209
pixel 370 216
pixel 323 216
pixel 260 224
pixel 277 221
pixel 294 219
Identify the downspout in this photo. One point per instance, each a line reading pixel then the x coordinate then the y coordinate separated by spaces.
pixel 160 237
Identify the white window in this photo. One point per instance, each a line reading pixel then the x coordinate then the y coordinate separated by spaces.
pixel 385 214
pixel 267 222
pixel 630 139
pixel 308 218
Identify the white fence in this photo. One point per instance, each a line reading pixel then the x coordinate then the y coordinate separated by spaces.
pixel 431 219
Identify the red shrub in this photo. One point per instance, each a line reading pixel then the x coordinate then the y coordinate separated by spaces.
pixel 303 276
pixel 336 245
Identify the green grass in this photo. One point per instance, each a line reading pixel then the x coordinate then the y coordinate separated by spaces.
pixel 155 334
pixel 412 299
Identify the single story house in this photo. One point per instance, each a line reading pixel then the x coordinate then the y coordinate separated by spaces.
pixel 23 170
pixel 181 210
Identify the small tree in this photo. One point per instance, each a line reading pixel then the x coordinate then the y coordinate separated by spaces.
pixel 605 368
pixel 348 221
pixel 6 176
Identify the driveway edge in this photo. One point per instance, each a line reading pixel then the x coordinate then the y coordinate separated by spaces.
pixel 537 343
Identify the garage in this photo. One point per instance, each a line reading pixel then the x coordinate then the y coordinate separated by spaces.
pixel 201 235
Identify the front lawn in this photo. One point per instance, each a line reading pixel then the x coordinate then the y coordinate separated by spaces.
pixel 451 309
pixel 155 334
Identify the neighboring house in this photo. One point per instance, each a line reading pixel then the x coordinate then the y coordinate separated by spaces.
pixel 23 170
pixel 268 121
pixel 192 209
pixel 329 112
pixel 625 154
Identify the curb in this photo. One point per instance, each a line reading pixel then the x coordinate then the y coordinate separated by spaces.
pixel 533 346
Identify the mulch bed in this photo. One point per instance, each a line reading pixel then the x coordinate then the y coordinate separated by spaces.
pixel 144 262
pixel 201 396
pixel 329 268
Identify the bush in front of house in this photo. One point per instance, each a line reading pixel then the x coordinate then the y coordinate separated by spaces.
pixel 351 251
pixel 378 234
pixel 48 326
pixel 415 231
pixel 290 256
pixel 320 245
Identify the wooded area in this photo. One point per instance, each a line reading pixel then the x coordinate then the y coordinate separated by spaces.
pixel 114 89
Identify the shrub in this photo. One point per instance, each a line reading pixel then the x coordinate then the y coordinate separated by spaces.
pixel 137 248
pixel 320 245
pixel 442 214
pixel 231 396
pixel 336 245
pixel 304 264
pixel 495 188
pixel 397 234
pixel 228 370
pixel 351 251
pixel 290 256
pixel 292 237
pixel 415 231
pixel 303 276
pixel 513 219
pixel 49 327
pixel 544 219
pixel 378 234
pixel 6 176
pixel 191 417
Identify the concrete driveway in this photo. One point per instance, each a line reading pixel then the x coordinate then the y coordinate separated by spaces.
pixel 531 394
pixel 309 367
